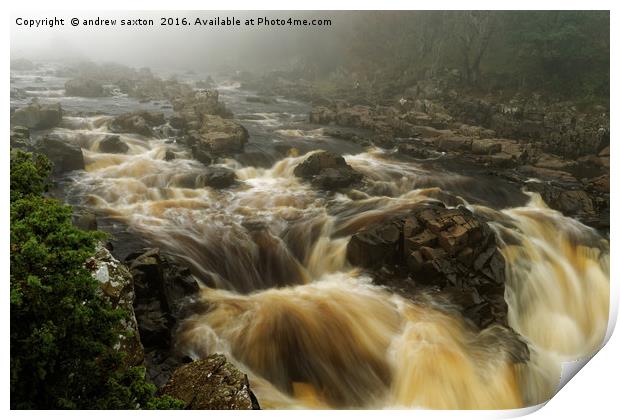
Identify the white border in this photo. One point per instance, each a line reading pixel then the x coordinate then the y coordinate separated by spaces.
pixel 593 393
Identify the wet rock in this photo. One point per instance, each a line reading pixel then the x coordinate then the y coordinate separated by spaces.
pixel 141 122
pixel 328 171
pixel 217 177
pixel 220 136
pixel 211 384
pixel 38 116
pixel 170 155
pixel 201 155
pixel 113 144
pixel 64 156
pixel 87 88
pixel 322 115
pixel 571 202
pixel 441 248
pixel 117 287
pixel 547 174
pixel 485 147
pixel 414 151
pixel 162 288
pixel 453 143
pixel 20 137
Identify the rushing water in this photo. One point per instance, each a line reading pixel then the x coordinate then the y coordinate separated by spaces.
pixel 283 303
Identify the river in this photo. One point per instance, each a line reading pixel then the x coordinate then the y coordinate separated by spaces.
pixel 283 302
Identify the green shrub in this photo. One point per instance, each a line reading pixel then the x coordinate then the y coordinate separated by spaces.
pixel 63 331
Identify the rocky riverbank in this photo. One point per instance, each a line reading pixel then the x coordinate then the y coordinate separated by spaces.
pixel 550 148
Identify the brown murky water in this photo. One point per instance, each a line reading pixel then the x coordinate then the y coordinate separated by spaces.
pixel 309 329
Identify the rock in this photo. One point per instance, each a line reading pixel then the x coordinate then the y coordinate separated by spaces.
pixel 453 143
pixel 322 115
pixel 170 155
pixel 571 202
pixel 604 152
pixel 64 156
pixel 162 287
pixel 82 87
pixel 414 151
pixel 20 137
pixel 201 155
pixel 117 287
pixel 141 122
pixel 439 248
pixel 217 177
pixel 211 384
pixel 220 136
pixel 545 174
pixel 38 116
pixel 113 144
pixel 327 171
pixel 164 290
pixel 485 147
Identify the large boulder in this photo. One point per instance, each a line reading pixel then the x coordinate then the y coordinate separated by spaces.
pixel 38 116
pixel 328 171
pixel 87 88
pixel 446 249
pixel 217 177
pixel 141 122
pixel 163 291
pixel 211 384
pixel 220 136
pixel 64 156
pixel 113 144
pixel 116 285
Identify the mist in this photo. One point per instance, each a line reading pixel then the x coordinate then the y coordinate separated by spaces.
pixel 205 48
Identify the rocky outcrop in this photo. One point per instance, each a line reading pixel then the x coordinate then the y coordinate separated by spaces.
pixel 446 249
pixel 37 116
pixel 163 290
pixel 117 287
pixel 219 136
pixel 211 384
pixel 20 137
pixel 87 88
pixel 141 122
pixel 64 156
pixel 113 144
pixel 327 171
pixel 217 177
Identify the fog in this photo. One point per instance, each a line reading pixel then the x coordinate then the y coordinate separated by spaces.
pixel 175 47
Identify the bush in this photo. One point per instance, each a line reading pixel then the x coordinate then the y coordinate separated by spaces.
pixel 63 331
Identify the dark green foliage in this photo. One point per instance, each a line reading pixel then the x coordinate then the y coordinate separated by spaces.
pixel 28 174
pixel 62 329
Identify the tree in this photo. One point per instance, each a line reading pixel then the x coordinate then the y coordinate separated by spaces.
pixel 63 331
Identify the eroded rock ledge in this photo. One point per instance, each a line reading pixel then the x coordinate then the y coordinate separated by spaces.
pixel 211 384
pixel 446 249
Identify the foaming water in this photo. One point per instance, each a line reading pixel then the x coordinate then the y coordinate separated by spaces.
pixel 557 287
pixel 312 331
pixel 341 342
